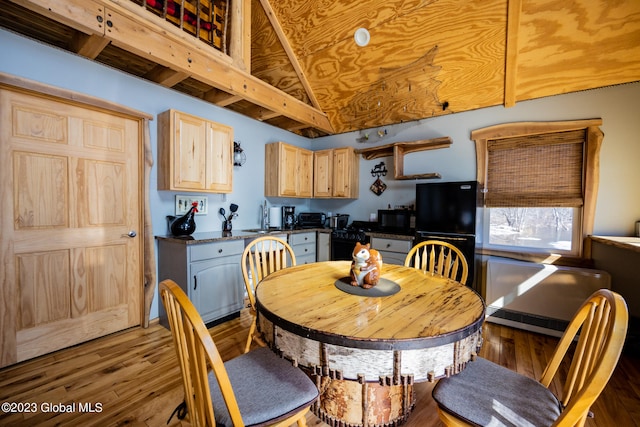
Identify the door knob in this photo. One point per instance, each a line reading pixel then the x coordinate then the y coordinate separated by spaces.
pixel 131 234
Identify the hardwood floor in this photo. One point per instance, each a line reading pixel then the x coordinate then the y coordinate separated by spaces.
pixel 132 378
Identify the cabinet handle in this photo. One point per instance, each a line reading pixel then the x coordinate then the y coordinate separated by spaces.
pixel 195 282
pixel 388 245
pixel 219 251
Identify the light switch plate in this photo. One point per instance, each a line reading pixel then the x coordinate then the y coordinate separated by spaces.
pixel 183 204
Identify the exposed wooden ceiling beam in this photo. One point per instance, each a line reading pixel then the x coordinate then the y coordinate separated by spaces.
pixel 88 45
pixel 133 29
pixel 261 114
pixel 289 50
pixel 220 98
pixel 165 76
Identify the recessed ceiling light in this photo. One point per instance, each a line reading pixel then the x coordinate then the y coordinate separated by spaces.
pixel 362 37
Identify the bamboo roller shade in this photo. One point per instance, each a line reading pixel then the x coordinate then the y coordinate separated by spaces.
pixel 542 170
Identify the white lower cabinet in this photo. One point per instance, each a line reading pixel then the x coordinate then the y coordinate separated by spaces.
pixel 393 251
pixel 304 247
pixel 209 273
pixel 323 247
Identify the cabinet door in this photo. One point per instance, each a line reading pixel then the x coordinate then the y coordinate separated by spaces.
pixel 343 172
pixel 215 287
pixel 323 252
pixel 305 172
pixel 287 182
pixel 322 173
pixel 194 154
pixel 219 159
pixel 392 257
pixel 393 251
pixel 189 152
pixel 304 246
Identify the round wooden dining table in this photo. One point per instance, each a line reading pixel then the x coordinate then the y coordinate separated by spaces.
pixel 366 348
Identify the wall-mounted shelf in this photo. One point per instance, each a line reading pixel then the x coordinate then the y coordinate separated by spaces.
pixel 399 149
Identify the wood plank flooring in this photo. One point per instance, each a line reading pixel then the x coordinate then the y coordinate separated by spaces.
pixel 132 378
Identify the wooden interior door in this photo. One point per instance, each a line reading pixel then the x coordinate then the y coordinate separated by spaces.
pixel 70 211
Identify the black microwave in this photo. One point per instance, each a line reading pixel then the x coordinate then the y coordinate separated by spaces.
pixel 400 221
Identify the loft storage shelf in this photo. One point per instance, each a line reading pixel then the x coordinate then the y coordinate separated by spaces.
pixel 204 19
pixel 399 149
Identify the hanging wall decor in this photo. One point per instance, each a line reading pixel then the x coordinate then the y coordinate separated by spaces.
pixel 378 186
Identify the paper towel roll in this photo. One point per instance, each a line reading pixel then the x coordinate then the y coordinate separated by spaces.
pixel 275 217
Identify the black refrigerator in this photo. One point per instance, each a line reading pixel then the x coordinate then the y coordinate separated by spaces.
pixel 447 211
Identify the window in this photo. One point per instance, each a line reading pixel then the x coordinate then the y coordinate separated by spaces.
pixel 539 182
pixel 533 229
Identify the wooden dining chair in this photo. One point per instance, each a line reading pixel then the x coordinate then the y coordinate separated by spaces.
pixel 256 388
pixel 485 393
pixel 439 258
pixel 260 258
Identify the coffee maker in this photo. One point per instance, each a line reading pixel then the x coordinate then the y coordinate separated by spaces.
pixel 288 216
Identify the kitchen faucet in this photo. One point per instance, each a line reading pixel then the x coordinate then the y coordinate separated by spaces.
pixel 265 216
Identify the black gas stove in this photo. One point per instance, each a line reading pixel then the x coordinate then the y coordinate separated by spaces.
pixel 344 240
pixel 350 235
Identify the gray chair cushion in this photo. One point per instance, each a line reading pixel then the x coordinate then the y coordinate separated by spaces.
pixel 487 394
pixel 267 388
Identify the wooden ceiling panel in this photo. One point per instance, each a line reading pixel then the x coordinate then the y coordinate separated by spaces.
pixel 269 61
pixel 266 50
pixel 570 46
pixel 422 60
pixel 425 58
pixel 316 25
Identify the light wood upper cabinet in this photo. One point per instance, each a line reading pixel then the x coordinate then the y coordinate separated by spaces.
pixel 288 171
pixel 335 173
pixel 305 173
pixel 194 154
pixel 322 173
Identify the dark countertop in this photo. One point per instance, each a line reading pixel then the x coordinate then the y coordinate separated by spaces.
pixel 217 236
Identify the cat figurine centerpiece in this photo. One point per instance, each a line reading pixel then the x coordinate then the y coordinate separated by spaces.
pixel 366 266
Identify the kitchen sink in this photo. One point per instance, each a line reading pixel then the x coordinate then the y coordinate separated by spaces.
pixel 261 231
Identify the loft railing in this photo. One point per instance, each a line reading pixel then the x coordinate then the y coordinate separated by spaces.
pixel 205 19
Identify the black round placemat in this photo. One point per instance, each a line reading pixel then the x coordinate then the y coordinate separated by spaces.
pixel 384 288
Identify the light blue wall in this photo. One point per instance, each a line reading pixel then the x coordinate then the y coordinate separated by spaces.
pixel 618 205
pixel 618 201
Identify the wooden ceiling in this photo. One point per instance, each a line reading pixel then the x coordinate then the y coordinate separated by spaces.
pixel 305 73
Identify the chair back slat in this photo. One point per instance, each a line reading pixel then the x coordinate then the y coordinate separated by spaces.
pixel 586 365
pixel 260 258
pixel 196 352
pixel 438 258
pixel 601 326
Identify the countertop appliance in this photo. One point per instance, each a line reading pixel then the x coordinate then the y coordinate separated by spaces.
pixel 447 211
pixel 398 221
pixel 288 216
pixel 339 221
pixel 311 220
